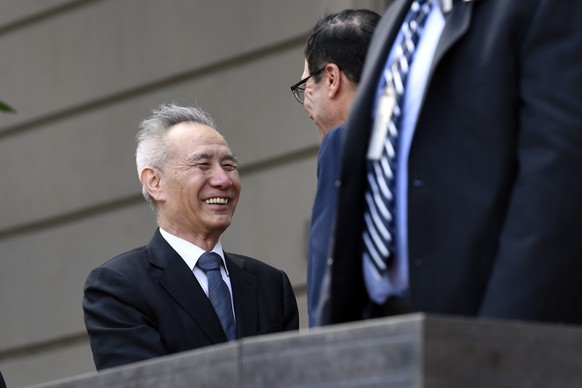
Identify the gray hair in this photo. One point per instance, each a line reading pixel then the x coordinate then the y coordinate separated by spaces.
pixel 152 146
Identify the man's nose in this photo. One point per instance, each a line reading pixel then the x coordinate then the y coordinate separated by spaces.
pixel 220 178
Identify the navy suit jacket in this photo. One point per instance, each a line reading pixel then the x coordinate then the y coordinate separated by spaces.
pixel 495 184
pixel 147 303
pixel 323 215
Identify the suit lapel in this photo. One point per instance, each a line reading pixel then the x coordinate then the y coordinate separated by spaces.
pixel 177 279
pixel 457 23
pixel 384 36
pixel 244 290
pixel 356 139
pixel 345 288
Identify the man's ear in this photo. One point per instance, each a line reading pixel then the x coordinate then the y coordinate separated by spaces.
pixel 333 78
pixel 152 179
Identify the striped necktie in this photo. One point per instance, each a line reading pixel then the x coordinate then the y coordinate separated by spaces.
pixel 379 237
pixel 218 292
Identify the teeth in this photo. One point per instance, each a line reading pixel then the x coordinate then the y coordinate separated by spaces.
pixel 216 201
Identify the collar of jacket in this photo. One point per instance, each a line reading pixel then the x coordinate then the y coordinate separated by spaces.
pixel 447 5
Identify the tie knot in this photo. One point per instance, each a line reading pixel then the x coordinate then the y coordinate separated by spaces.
pixel 209 261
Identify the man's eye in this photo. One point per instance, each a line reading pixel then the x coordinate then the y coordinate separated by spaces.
pixel 203 165
pixel 229 167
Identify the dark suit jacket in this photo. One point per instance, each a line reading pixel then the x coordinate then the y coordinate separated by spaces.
pixel 147 303
pixel 322 216
pixel 495 167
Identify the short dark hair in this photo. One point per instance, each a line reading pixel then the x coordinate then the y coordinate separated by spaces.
pixel 341 38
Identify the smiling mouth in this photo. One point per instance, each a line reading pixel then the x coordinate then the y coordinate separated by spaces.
pixel 216 201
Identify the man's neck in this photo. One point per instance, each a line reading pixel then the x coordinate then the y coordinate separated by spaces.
pixel 206 242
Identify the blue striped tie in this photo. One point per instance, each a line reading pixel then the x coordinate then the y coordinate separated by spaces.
pixel 218 292
pixel 379 244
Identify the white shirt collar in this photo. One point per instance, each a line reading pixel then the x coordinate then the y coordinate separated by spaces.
pixel 447 5
pixel 189 252
pixel 444 5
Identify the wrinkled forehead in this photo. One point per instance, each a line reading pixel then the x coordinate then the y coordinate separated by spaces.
pixel 193 129
pixel 189 136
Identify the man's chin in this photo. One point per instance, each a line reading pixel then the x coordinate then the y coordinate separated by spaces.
pixel 220 225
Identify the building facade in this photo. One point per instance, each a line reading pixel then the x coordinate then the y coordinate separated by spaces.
pixel 82 74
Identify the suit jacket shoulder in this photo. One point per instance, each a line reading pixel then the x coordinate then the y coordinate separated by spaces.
pixel 147 303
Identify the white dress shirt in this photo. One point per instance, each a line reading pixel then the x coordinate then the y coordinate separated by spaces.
pixel 190 253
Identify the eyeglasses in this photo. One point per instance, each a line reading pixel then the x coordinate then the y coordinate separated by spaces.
pixel 298 89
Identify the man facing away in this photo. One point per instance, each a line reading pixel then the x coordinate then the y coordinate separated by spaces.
pixel 161 298
pixel 477 210
pixel 334 58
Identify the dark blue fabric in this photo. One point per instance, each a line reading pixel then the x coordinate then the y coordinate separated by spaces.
pixel 322 215
pixel 218 292
pixel 494 182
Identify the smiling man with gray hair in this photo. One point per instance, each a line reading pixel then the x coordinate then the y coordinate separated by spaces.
pixel 182 291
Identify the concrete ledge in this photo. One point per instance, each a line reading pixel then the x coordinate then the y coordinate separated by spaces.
pixel 407 351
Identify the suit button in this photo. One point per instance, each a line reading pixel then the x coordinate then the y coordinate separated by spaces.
pixel 338 183
pixel 418 263
pixel 417 183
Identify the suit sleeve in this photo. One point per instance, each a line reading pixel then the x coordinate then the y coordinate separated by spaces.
pixel 322 216
pixel 537 274
pixel 290 310
pixel 120 329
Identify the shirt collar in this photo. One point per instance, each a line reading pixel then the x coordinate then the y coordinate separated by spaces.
pixel 444 5
pixel 447 5
pixel 189 252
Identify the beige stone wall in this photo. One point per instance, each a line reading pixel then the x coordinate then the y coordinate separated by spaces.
pixel 81 75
